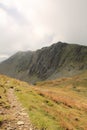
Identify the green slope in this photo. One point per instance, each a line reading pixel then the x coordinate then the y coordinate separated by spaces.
pixel 59 104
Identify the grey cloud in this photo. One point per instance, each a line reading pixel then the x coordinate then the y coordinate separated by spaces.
pixel 14 13
pixel 42 23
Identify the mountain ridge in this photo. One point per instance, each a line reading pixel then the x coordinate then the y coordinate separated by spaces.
pixel 58 60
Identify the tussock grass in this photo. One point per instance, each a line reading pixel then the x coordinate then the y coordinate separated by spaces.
pixel 36 106
pixel 59 104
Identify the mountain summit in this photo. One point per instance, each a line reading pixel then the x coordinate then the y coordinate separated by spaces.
pixel 57 60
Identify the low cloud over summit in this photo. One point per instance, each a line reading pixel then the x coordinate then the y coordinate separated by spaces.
pixel 32 24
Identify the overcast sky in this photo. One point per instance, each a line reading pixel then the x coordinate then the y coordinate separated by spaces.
pixel 32 24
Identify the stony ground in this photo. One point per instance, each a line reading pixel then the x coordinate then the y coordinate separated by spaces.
pixel 19 118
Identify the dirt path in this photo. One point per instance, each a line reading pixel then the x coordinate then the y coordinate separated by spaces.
pixel 19 117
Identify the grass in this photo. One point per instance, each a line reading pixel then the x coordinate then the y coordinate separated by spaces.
pixel 1 120
pixel 59 104
pixel 3 102
pixel 37 108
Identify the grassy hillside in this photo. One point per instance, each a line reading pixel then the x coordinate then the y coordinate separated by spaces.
pixel 4 105
pixel 5 84
pixel 59 104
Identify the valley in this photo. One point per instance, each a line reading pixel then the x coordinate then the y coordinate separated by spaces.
pixel 59 104
pixel 43 64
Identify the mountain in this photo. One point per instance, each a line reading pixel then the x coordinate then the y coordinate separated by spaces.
pixel 57 60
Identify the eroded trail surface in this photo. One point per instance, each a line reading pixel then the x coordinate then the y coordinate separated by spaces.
pixel 20 119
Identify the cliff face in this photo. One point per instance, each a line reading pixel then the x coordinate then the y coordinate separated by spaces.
pixel 58 60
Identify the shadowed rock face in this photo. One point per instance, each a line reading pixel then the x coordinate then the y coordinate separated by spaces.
pixel 58 60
